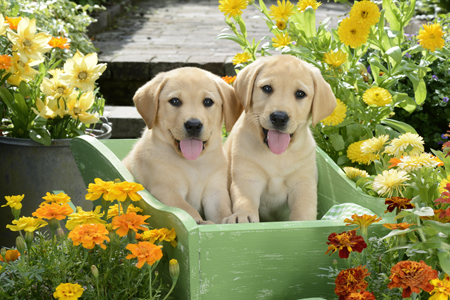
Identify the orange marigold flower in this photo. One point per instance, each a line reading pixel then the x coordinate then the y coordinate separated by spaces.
pixel 399 203
pixel 162 234
pixel 5 62
pixel 125 189
pixel 100 188
pixel 229 79
pixel 53 211
pixel 439 216
pixel 129 221
pixel 13 22
pixel 89 235
pixel 394 162
pixel 400 226
pixel 362 221
pixel 351 281
pixel 59 42
pixel 145 252
pixel 411 276
pixel 11 255
pixel 365 295
pixel 345 243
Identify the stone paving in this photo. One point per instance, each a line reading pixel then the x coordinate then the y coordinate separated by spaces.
pixel 165 34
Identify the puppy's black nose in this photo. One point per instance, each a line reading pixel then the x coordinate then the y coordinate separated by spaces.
pixel 193 126
pixel 279 119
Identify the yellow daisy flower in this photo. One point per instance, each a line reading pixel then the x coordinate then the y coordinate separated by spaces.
pixel 61 198
pixel 14 201
pixel 337 116
pixel 353 173
pixel 335 58
pixel 21 71
pixel 54 87
pixel 365 13
pixel 355 155
pixel 241 58
pixel 29 45
pixel 377 96
pixel 281 24
pixel 441 288
pixel 352 34
pixel 50 108
pixel 85 217
pixel 28 224
pixel 114 210
pixel 390 182
pixel 416 162
pixel 3 25
pixel 443 184
pixel 66 291
pixel 232 8
pixel 431 37
pixel 303 4
pixel 82 71
pixel 78 107
pixel 374 145
pixel 406 144
pixel 281 40
pixel 283 11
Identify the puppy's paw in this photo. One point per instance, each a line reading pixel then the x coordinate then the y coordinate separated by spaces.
pixel 241 217
pixel 203 222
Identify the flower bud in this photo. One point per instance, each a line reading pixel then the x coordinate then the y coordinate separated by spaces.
pixel 20 244
pixel 60 233
pixel 250 2
pixel 53 224
pixel 3 253
pixel 174 269
pixel 29 237
pixel 94 271
pixel 131 236
pixel 15 213
pixel 335 263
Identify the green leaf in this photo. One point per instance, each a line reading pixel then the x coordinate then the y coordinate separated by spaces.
pixel 405 102
pixel 22 105
pixel 337 141
pixel 399 126
pixel 231 38
pixel 395 53
pixel 423 212
pixel 242 26
pixel 391 13
pixel 310 22
pixel 441 227
pixel 396 232
pixel 444 260
pixel 41 135
pixel 420 91
pixel 410 12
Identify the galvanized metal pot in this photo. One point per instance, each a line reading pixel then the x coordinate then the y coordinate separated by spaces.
pixel 31 169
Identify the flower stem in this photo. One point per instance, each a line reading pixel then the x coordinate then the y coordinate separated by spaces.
pixel 174 282
pixel 149 267
pixel 86 251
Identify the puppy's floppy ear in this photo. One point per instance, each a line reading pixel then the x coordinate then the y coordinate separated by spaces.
pixel 232 108
pixel 245 81
pixel 324 100
pixel 146 99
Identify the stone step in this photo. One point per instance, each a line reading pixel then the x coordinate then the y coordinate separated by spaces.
pixel 126 122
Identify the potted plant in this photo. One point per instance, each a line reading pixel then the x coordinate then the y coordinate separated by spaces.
pixel 47 97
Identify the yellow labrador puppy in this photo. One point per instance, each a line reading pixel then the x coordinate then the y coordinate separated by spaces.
pixel 271 151
pixel 180 159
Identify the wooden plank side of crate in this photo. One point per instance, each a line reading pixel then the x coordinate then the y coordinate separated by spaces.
pixel 336 188
pixel 278 260
pixel 95 160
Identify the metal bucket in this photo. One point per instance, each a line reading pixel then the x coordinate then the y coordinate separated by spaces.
pixel 31 169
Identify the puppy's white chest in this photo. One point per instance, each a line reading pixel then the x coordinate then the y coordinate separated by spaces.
pixel 273 201
pixel 276 187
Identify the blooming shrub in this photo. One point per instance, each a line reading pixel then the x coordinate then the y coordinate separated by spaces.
pixel 99 258
pixel 34 105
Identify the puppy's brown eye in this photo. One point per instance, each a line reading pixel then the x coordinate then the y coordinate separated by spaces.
pixel 300 94
pixel 208 102
pixel 175 102
pixel 267 89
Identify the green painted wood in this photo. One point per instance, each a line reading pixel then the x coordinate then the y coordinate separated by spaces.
pixel 242 261
pixel 95 160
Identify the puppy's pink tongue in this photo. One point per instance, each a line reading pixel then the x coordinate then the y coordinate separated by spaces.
pixel 191 148
pixel 278 141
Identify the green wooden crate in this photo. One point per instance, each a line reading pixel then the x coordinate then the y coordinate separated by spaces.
pixel 276 260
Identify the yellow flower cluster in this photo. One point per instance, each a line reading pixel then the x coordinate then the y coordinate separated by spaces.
pixel 69 91
pixel 355 154
pixel 354 30
pixel 114 191
pixel 337 116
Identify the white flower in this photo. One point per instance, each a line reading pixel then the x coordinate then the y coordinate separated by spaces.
pixel 389 182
